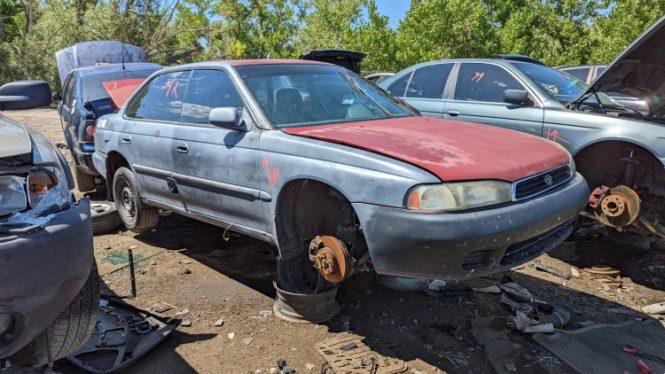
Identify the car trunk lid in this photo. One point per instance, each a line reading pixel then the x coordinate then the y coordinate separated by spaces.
pixel 451 150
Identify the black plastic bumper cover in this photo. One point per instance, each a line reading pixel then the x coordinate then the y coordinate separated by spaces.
pixel 41 272
pixel 469 244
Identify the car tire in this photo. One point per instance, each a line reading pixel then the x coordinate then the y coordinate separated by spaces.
pixel 85 182
pixel 68 332
pixel 135 215
pixel 105 218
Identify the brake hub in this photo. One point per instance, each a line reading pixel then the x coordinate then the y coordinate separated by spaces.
pixel 331 258
pixel 618 206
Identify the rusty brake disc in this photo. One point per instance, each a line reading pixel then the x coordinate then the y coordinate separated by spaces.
pixel 619 207
pixel 331 258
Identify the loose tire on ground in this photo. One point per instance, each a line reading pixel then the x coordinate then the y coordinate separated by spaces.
pixel 84 182
pixel 105 218
pixel 68 332
pixel 135 215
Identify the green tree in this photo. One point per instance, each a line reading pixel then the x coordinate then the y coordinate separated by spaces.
pixel 625 22
pixel 436 29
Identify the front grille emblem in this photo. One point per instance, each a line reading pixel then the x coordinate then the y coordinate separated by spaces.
pixel 548 180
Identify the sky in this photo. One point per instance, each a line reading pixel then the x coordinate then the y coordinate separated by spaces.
pixel 394 9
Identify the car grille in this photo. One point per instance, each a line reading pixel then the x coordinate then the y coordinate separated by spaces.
pixel 540 183
pixel 16 161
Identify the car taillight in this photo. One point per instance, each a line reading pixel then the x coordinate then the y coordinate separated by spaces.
pixel 39 183
pixel 89 131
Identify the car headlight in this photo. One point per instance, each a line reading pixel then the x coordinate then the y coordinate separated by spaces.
pixel 38 184
pixel 458 196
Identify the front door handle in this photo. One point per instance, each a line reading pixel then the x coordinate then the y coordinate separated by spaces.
pixel 182 148
pixel 453 112
pixel 127 140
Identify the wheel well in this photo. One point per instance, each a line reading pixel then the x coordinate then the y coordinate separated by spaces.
pixel 605 163
pixel 114 161
pixel 307 208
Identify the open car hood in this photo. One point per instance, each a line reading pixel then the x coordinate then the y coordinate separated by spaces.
pixel 639 71
pixel 85 54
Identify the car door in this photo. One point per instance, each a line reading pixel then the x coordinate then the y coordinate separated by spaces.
pixel 423 88
pixel 147 137
pixel 478 97
pixel 217 169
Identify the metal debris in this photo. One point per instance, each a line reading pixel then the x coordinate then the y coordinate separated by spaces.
pixel 552 269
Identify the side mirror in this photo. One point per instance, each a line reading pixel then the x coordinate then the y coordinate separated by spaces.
pixel 57 96
pixel 24 95
pixel 517 97
pixel 226 117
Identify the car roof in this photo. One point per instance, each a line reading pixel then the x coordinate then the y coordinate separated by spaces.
pixel 114 68
pixel 237 63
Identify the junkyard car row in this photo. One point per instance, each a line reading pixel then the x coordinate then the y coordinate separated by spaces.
pixel 325 165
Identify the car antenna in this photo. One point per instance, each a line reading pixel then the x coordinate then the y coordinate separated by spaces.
pixel 122 54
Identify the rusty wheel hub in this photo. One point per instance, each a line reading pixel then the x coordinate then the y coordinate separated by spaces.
pixel 331 258
pixel 617 206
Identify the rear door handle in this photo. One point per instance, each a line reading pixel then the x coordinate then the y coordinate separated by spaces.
pixel 453 112
pixel 127 140
pixel 182 148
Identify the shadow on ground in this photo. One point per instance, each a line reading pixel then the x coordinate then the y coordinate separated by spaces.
pixel 437 331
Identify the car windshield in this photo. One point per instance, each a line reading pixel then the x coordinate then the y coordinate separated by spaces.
pixel 93 88
pixel 304 94
pixel 557 84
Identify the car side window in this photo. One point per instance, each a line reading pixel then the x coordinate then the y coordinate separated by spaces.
pixel 399 86
pixel 68 94
pixel 208 89
pixel 580 73
pixel 484 82
pixel 161 98
pixel 428 82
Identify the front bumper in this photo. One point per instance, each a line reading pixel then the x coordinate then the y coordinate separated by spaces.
pixel 41 271
pixel 463 245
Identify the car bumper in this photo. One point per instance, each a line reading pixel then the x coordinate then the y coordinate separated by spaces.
pixel 463 245
pixel 84 162
pixel 41 271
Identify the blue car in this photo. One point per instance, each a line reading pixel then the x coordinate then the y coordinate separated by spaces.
pixel 78 113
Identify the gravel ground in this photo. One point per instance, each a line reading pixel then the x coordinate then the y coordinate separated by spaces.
pixel 232 280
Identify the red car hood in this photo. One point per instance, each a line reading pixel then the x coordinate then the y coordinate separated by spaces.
pixel 451 150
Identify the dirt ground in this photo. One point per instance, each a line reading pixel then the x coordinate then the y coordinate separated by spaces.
pixel 192 266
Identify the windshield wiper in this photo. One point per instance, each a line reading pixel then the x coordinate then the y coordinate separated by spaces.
pixel 362 92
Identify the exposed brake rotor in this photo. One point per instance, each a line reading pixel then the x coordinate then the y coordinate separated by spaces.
pixel 618 206
pixel 331 258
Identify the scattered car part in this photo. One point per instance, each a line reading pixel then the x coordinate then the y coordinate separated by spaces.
pixel 402 283
pixel 331 258
pixel 105 218
pixel 306 308
pixel 598 348
pixel 350 353
pixel 122 335
pixel 348 59
pixel 530 311
pixel 555 270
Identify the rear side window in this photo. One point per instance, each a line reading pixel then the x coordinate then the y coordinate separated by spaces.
pixel 160 99
pixel 399 86
pixel 580 73
pixel 484 82
pixel 208 89
pixel 428 82
pixel 68 94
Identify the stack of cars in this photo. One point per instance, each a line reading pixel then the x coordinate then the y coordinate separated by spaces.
pixel 620 150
